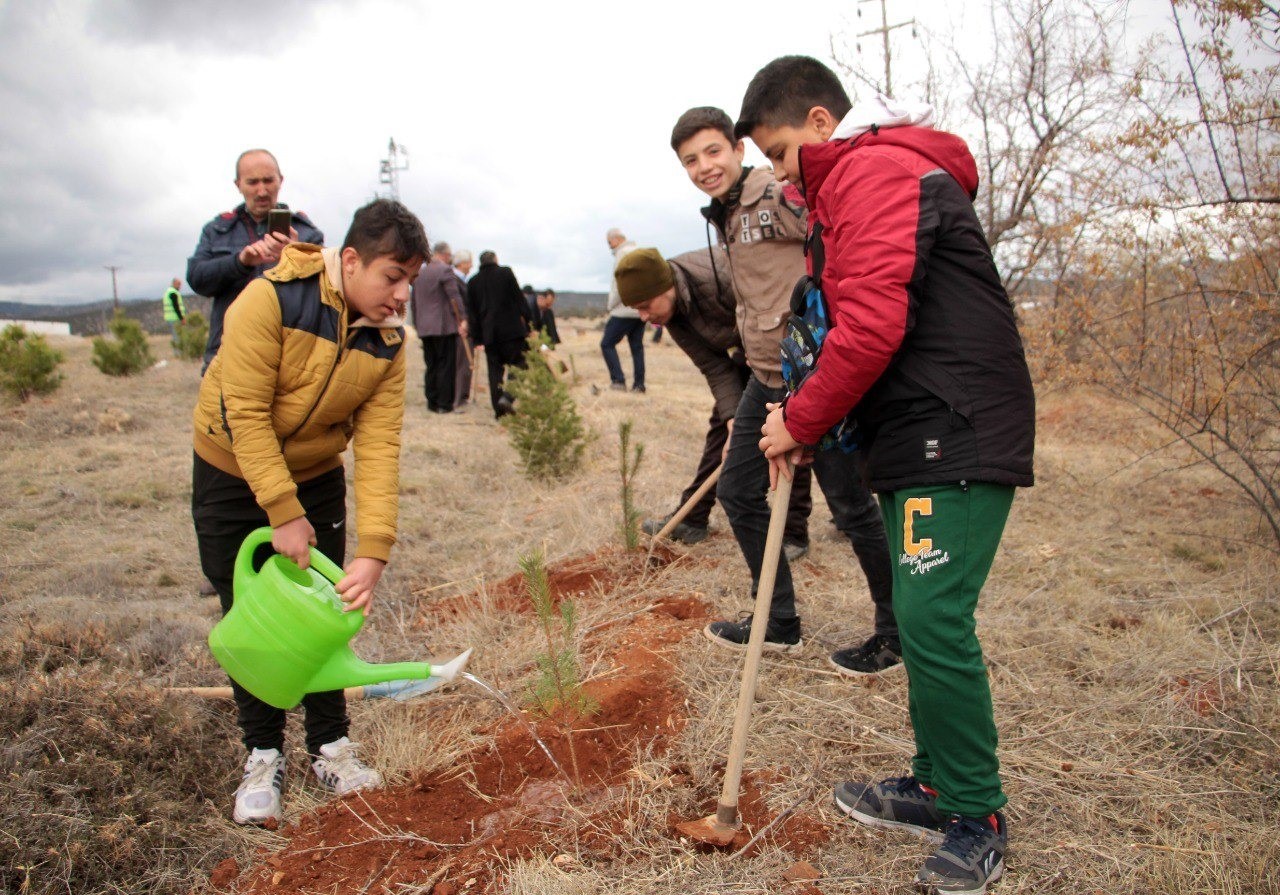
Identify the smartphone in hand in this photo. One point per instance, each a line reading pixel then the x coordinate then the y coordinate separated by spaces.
pixel 278 220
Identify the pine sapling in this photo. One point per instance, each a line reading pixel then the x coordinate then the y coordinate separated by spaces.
pixel 557 693
pixel 630 462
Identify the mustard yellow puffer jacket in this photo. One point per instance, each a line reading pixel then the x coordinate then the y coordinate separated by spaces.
pixel 293 384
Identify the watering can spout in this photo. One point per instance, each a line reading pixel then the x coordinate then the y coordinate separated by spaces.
pixel 344 670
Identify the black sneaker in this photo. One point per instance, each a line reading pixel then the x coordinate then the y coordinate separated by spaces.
pixel 970 857
pixel 684 532
pixel 876 655
pixel 781 635
pixel 896 803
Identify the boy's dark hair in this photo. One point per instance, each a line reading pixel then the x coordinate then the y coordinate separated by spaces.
pixel 782 93
pixel 385 227
pixel 550 292
pixel 488 257
pixel 701 118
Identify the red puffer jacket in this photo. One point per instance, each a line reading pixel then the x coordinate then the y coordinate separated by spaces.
pixel 924 343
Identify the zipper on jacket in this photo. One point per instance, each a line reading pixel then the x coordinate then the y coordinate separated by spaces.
pixel 337 358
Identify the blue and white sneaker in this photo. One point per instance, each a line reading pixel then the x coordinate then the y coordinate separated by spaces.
pixel 970 857
pixel 895 803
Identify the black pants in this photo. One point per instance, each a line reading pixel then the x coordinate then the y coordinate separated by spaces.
pixel 440 353
pixel 225 512
pixel 498 357
pixel 797 530
pixel 745 481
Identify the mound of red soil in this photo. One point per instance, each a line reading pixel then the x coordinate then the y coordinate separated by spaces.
pixel 510 800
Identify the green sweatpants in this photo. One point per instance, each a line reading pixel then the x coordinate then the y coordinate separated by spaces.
pixel 942 540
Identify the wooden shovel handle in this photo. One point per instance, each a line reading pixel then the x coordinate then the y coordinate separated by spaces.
pixel 727 810
pixel 689 504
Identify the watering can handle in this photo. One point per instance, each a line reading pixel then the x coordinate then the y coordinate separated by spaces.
pixel 259 536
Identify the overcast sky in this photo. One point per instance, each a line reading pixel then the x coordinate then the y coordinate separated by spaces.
pixel 531 128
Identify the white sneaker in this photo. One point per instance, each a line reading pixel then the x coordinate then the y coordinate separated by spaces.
pixel 258 797
pixel 341 770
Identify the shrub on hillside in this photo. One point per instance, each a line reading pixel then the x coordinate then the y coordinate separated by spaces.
pixel 545 430
pixel 27 363
pixel 193 334
pixel 125 354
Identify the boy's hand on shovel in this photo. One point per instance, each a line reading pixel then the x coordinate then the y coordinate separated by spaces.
pixel 356 589
pixel 779 447
pixel 294 539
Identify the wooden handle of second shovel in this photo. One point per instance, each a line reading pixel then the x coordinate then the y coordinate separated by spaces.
pixel 727 810
pixel 689 504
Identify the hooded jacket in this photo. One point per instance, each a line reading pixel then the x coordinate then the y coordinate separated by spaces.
pixel 704 325
pixel 294 383
pixel 924 343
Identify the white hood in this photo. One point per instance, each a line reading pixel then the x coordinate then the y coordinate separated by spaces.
pixel 882 112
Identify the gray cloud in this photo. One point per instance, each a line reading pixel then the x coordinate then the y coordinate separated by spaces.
pixel 244 26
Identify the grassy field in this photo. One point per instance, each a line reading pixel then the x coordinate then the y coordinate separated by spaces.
pixel 1130 627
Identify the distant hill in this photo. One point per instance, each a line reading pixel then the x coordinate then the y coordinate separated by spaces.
pixel 91 318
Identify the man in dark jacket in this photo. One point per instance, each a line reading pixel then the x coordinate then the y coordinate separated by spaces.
pixel 692 296
pixel 235 246
pixel 924 350
pixel 500 320
pixel 439 317
pixel 546 316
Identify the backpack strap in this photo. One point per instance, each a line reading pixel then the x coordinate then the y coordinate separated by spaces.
pixel 814 248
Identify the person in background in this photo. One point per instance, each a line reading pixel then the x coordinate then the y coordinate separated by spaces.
pixel 499 321
pixel 546 310
pixel 440 319
pixel 235 246
pixel 466 372
pixel 622 322
pixel 174 310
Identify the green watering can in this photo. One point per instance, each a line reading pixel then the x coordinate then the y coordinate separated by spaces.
pixel 286 634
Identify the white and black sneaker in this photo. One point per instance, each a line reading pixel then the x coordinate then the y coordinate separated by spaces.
pixel 258 796
pixel 970 857
pixel 341 771
pixel 895 803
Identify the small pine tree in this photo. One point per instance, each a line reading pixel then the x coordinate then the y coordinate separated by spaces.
pixel 545 430
pixel 558 688
pixel 630 462
pixel 127 353
pixel 193 334
pixel 27 363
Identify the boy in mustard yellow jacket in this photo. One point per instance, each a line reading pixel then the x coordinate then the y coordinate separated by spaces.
pixel 311 360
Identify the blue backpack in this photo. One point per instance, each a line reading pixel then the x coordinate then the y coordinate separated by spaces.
pixel 807 329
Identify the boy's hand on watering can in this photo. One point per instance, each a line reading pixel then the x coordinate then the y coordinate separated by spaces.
pixel 356 589
pixel 294 539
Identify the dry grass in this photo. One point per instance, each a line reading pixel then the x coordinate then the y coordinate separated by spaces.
pixel 1130 626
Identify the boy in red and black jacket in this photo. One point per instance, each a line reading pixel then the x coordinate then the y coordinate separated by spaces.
pixel 925 351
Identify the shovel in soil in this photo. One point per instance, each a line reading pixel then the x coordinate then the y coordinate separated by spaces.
pixel 719 829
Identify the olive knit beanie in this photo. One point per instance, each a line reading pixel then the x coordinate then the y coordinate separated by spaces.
pixel 642 274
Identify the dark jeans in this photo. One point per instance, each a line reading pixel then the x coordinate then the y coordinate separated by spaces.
pixel 797 530
pixel 498 357
pixel 440 353
pixel 745 482
pixel 225 512
pixel 615 329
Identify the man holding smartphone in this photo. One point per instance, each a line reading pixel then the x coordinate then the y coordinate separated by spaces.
pixel 239 244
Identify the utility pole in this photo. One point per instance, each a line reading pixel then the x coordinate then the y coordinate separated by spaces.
pixel 115 295
pixel 883 31
pixel 397 160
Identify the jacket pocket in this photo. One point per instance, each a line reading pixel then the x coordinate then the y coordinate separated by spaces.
pixel 767 322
